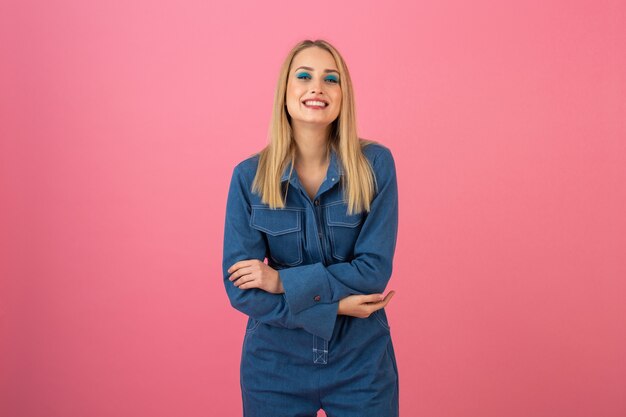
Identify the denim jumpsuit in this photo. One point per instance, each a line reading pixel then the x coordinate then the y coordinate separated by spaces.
pixel 298 355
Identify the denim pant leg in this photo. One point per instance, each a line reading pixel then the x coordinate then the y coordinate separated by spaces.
pixel 361 379
pixel 278 377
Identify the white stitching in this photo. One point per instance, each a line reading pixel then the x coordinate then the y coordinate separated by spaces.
pixel 380 320
pixel 319 355
pixel 297 230
pixel 297 227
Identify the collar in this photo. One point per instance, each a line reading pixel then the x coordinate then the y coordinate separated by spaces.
pixel 334 169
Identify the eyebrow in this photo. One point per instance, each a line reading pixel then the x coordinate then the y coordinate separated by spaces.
pixel 311 69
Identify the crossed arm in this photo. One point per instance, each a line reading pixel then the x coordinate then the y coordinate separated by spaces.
pixel 253 273
pixel 287 297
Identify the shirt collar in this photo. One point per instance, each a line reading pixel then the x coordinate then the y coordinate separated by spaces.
pixel 334 168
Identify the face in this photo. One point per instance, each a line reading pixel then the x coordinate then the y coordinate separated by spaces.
pixel 313 83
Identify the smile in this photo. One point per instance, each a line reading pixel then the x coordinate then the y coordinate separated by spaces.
pixel 314 104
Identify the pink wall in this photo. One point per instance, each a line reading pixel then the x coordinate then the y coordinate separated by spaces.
pixel 121 122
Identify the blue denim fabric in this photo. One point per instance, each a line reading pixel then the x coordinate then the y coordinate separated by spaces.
pixel 298 355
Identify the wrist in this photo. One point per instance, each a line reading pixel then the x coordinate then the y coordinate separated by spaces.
pixel 280 287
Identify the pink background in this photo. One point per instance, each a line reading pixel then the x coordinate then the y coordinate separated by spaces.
pixel 121 122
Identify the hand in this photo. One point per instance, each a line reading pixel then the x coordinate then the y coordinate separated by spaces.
pixel 252 273
pixel 362 306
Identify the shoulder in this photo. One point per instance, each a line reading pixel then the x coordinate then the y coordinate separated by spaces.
pixel 246 168
pixel 379 156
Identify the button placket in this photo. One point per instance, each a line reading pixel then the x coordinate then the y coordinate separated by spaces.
pixel 320 229
pixel 320 349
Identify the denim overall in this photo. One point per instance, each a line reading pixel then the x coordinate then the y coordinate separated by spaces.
pixel 298 355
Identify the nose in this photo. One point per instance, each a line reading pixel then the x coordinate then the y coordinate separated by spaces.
pixel 316 87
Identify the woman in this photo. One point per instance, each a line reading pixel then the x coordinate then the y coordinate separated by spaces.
pixel 321 205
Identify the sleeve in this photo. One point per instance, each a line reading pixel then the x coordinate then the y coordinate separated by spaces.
pixel 370 269
pixel 244 242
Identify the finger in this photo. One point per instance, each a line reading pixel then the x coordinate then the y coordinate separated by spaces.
pixel 240 272
pixel 381 304
pixel 371 298
pixel 240 264
pixel 233 267
pixel 387 298
pixel 243 279
pixel 240 278
pixel 249 284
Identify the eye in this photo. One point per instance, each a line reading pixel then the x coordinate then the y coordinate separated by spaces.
pixel 303 75
pixel 332 79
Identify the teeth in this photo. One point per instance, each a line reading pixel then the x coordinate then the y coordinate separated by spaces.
pixel 315 103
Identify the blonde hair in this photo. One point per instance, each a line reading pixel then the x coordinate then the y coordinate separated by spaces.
pixel 358 178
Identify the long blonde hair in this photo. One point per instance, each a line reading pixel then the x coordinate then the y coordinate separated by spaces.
pixel 358 178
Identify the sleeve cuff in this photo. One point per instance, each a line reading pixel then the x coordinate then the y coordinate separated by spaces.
pixel 318 320
pixel 305 286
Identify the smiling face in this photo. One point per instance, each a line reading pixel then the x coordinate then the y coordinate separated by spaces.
pixel 313 75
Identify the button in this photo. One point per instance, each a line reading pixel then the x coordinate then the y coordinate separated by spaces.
pixel 317 202
pixel 317 298
pixel 332 179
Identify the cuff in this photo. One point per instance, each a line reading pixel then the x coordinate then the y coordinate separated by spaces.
pixel 318 320
pixel 305 286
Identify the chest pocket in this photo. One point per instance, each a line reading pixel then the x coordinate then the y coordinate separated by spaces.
pixel 343 230
pixel 283 228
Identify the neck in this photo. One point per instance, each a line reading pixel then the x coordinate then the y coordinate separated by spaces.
pixel 311 145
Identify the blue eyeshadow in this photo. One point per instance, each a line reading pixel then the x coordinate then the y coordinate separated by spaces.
pixel 330 77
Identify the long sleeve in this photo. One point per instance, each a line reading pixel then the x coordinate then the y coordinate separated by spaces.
pixel 370 269
pixel 244 242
